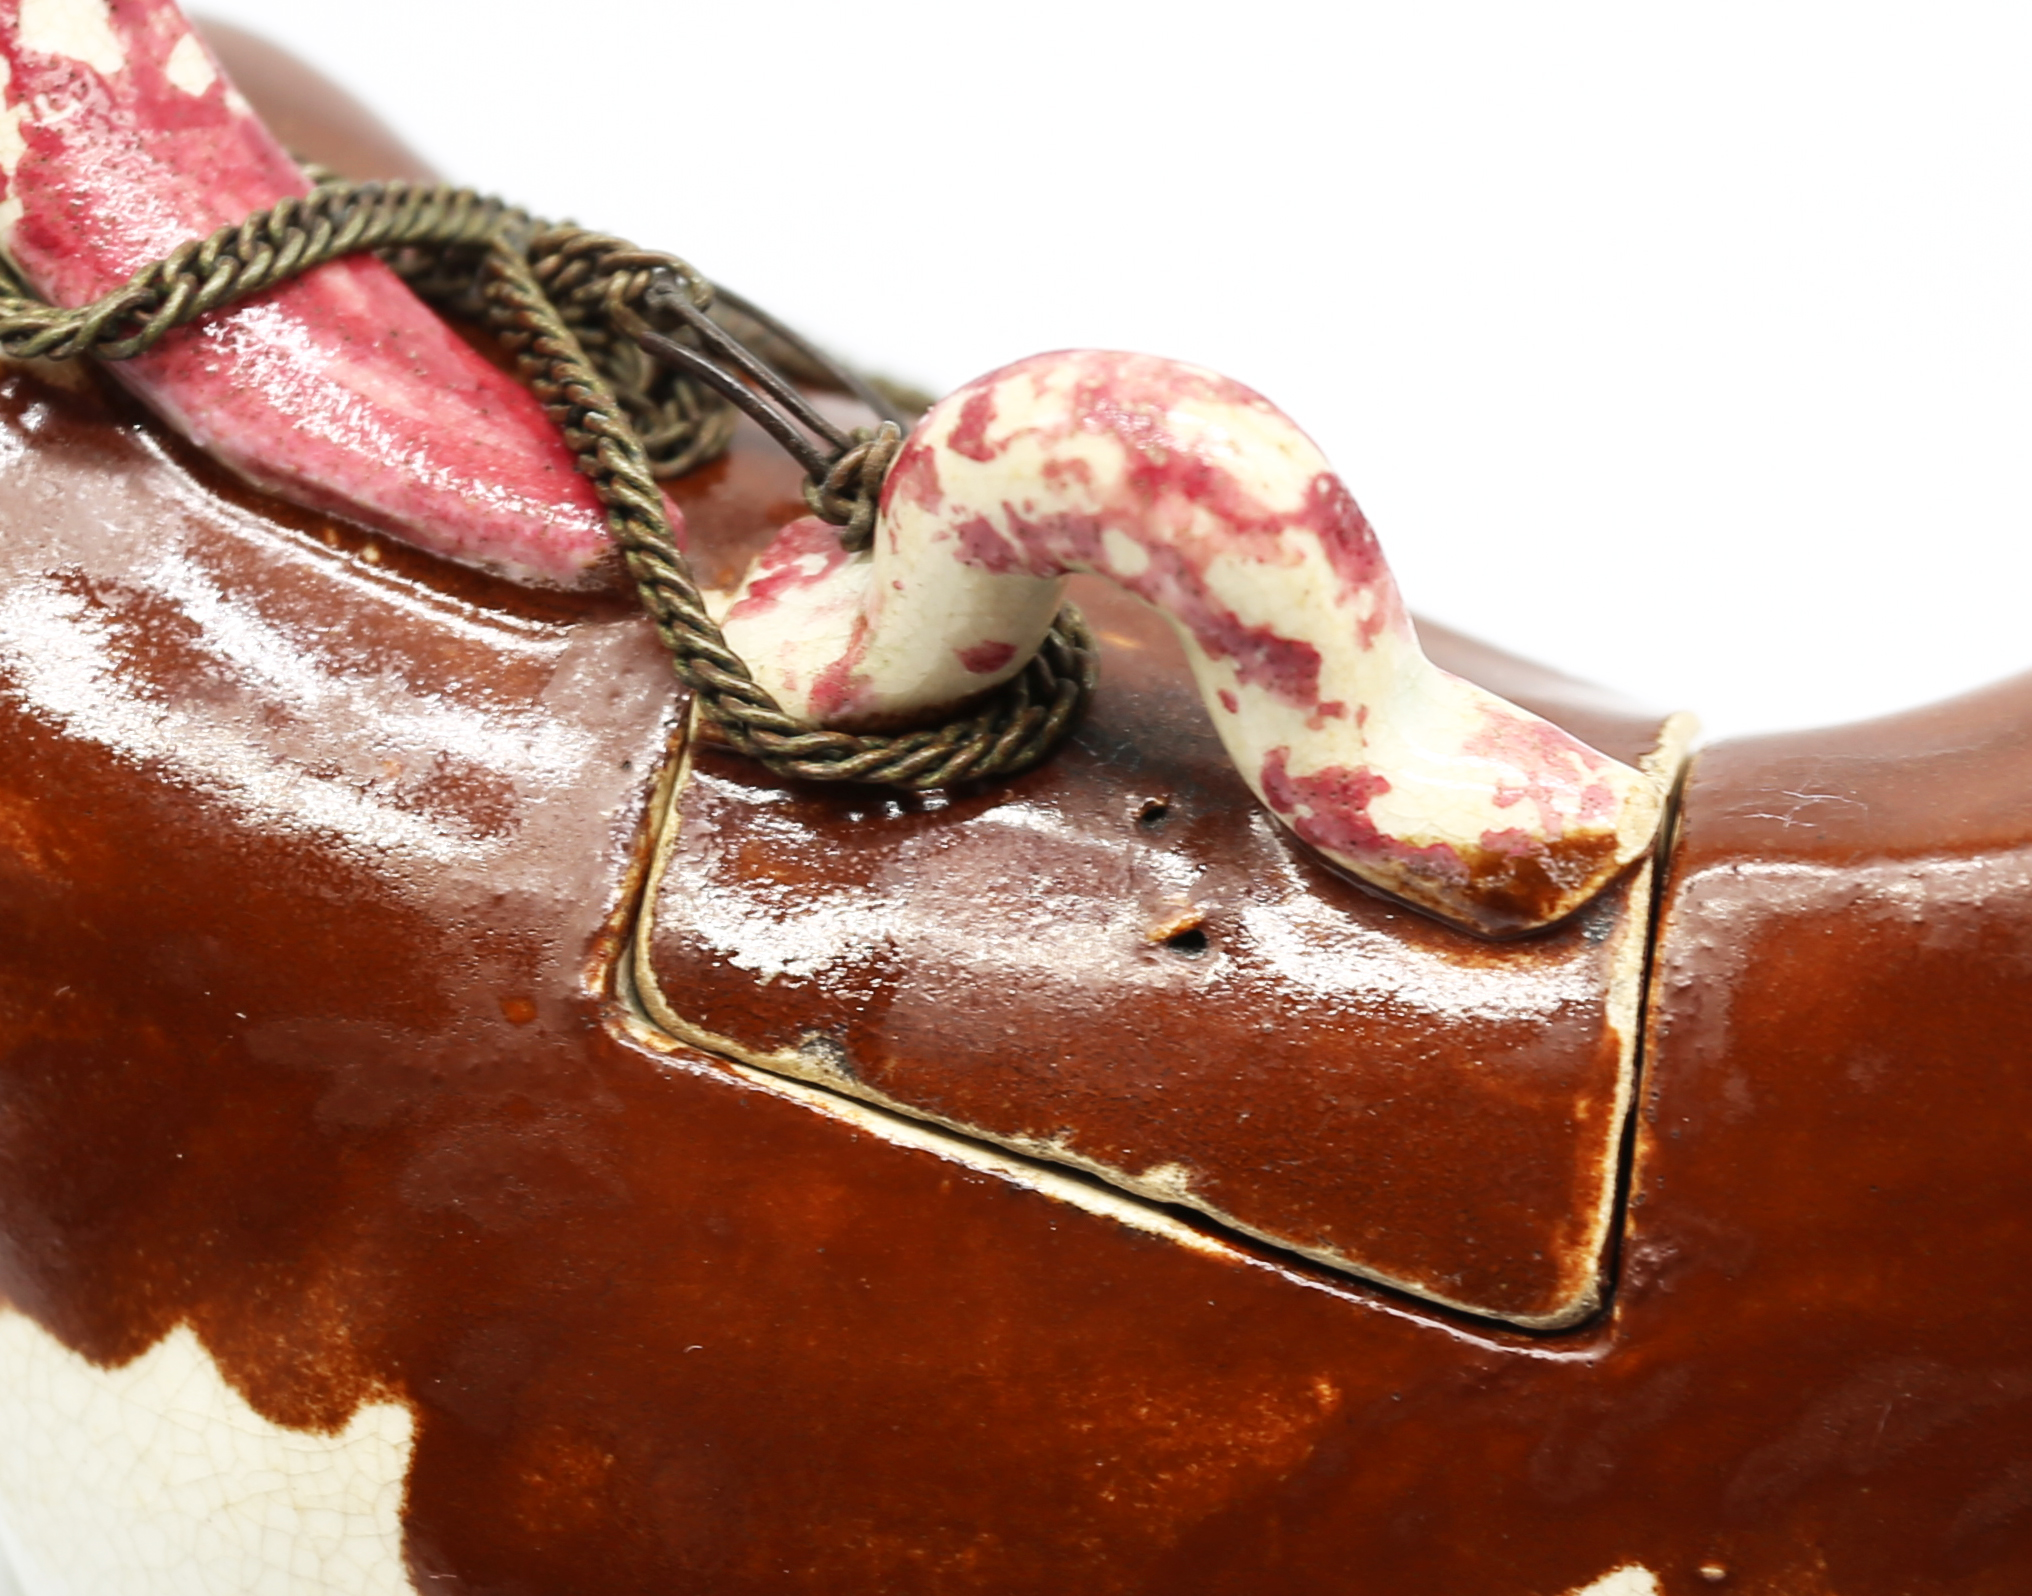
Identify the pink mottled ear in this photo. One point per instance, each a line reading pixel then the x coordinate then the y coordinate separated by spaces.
pixel 339 390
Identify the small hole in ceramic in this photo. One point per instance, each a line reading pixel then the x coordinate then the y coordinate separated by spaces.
pixel 1191 943
pixel 1153 814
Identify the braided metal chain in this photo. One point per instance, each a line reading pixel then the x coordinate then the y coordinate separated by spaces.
pixel 607 338
pixel 850 493
pixel 270 246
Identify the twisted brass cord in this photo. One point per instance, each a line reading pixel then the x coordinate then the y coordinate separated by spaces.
pixel 850 493
pixel 579 312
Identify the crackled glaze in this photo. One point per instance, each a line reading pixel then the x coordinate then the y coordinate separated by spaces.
pixel 120 139
pixel 1197 495
pixel 156 1475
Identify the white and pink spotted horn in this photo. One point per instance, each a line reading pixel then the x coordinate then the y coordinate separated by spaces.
pixel 1199 496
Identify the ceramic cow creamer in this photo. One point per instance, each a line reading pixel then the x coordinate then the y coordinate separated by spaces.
pixel 1364 1114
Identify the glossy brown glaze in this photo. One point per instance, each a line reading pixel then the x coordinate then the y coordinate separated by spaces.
pixel 1119 962
pixel 1833 1199
pixel 362 1116
pixel 304 1041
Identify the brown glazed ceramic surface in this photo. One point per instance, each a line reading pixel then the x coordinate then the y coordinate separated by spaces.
pixel 1119 962
pixel 312 871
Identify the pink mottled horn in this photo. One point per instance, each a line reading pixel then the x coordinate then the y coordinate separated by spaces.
pixel 120 139
pixel 1202 498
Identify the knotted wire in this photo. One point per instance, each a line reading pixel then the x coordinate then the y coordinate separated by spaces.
pixel 624 351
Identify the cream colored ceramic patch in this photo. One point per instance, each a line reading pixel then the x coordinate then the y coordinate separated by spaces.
pixel 80 29
pixel 189 67
pixel 1629 1580
pixel 157 1479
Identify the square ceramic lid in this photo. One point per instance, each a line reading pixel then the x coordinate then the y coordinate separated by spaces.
pixel 1118 962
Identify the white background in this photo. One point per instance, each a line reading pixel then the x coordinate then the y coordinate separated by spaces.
pixel 1685 349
